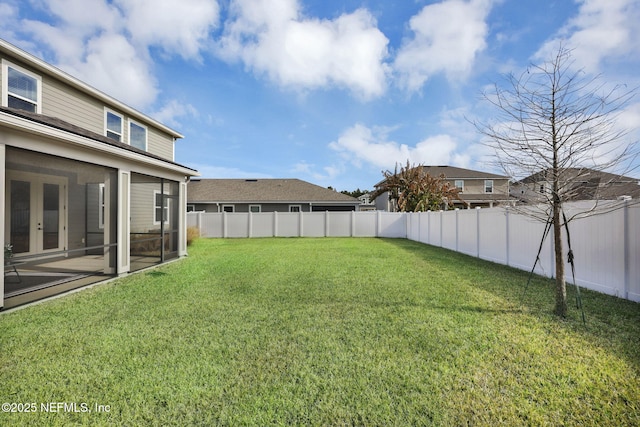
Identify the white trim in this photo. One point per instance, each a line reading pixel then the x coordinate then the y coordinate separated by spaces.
pixel 101 205
pixel 108 111
pixel 5 84
pixel 485 186
pixel 155 207
pixel 295 206
pixel 146 134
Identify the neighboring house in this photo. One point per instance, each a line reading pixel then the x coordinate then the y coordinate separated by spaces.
pixel 90 187
pixel 265 195
pixel 577 184
pixel 366 204
pixel 476 188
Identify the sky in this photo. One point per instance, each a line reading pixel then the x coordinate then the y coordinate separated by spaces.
pixel 333 92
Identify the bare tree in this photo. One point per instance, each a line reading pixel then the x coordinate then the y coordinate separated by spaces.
pixel 414 190
pixel 560 125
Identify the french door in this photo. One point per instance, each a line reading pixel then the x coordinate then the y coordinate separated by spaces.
pixel 36 212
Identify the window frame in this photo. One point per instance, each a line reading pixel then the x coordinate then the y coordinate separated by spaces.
pixel 5 85
pixel 225 207
pixel 459 187
pixel 255 206
pixel 101 206
pixel 292 208
pixel 146 134
pixel 164 208
pixel 108 111
pixel 490 187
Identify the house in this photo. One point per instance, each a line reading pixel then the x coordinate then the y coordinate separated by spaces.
pixel 577 184
pixel 265 195
pixel 366 204
pixel 90 186
pixel 476 188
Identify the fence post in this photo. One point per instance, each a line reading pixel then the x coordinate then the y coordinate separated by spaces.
pixel 506 215
pixel 378 225
pixel 300 224
pixel 627 250
pixel 250 225
pixel 326 223
pixel 224 224
pixel 353 223
pixel 457 227
pixel 275 224
pixel 478 231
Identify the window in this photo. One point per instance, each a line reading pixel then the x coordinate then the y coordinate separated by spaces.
pixel 113 125
pixel 191 208
pixel 295 208
pixel 137 136
pixel 255 208
pixel 161 211
pixel 459 183
pixel 228 208
pixel 21 89
pixel 488 186
pixel 101 206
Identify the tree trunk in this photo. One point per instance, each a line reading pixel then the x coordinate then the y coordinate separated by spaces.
pixel 561 287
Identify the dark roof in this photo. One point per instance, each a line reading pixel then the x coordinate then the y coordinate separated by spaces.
pixel 56 123
pixel 262 190
pixel 580 175
pixel 452 172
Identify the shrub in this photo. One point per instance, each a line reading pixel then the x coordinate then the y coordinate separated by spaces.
pixel 192 234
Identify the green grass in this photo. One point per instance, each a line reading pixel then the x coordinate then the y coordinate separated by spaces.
pixel 323 332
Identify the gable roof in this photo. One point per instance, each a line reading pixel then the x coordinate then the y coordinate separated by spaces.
pixel 452 172
pixel 48 69
pixel 580 175
pixel 262 190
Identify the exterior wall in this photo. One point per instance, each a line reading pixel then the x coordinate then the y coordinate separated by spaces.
pixel 67 103
pixel 476 186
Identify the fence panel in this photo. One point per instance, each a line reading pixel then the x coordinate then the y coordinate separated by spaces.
pixel 467 231
pixel 314 224
pixel 492 238
pixel 392 224
pixel 365 224
pixel 338 224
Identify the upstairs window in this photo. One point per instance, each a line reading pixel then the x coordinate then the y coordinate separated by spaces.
pixel 137 136
pixel 113 125
pixel 459 185
pixel 488 186
pixel 21 89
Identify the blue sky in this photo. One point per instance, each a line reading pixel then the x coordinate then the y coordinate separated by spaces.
pixel 331 92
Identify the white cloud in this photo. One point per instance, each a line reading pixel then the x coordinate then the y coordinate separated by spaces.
pixel 179 27
pixel 172 110
pixel 360 144
pixel 603 29
pixel 107 43
pixel 273 38
pixel 447 37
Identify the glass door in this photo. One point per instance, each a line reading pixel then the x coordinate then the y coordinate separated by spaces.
pixel 36 212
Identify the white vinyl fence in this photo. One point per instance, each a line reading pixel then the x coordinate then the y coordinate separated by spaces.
pixel 606 246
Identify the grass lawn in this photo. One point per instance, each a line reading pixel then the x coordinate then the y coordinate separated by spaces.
pixel 322 332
